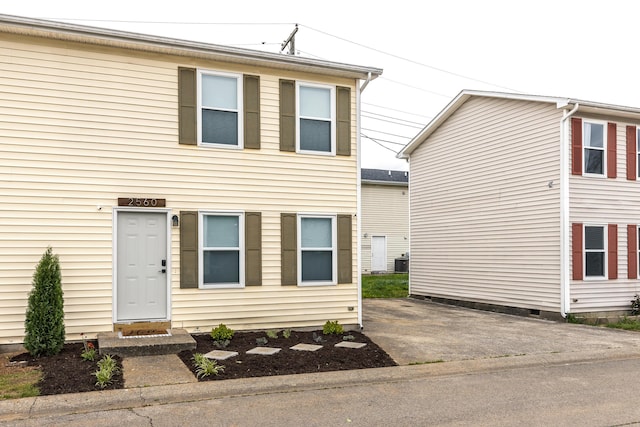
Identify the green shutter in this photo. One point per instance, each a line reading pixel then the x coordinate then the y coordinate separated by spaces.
pixel 287 115
pixel 188 249
pixel 289 248
pixel 345 258
pixel 253 249
pixel 343 121
pixel 251 111
pixel 187 106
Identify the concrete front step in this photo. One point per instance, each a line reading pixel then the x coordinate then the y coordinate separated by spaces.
pixel 175 341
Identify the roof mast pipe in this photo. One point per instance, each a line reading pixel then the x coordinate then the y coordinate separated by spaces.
pixel 291 41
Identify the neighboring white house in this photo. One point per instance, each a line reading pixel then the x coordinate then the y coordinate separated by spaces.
pixel 385 220
pixel 179 182
pixel 527 204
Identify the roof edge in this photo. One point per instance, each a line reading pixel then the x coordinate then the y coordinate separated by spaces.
pixel 159 44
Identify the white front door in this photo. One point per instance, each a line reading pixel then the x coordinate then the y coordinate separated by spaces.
pixel 141 276
pixel 378 253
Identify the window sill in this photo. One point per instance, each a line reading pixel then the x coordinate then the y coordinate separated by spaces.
pixel 312 284
pixel 224 146
pixel 593 175
pixel 317 153
pixel 221 286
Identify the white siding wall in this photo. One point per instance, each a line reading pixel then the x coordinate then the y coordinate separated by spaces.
pixel 385 212
pixel 82 126
pixel 606 201
pixel 485 226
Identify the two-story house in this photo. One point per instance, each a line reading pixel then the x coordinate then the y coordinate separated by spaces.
pixel 527 204
pixel 179 182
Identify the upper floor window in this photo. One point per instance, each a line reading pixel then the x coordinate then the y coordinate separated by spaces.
pixel 316 118
pixel 638 152
pixel 594 146
pixel 220 109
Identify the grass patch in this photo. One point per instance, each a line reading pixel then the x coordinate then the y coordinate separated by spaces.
pixel 19 382
pixel 626 324
pixel 385 285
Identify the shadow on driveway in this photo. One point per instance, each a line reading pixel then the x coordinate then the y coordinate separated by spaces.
pixel 417 331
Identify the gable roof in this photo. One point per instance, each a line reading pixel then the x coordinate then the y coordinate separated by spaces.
pixel 561 103
pixel 164 45
pixel 384 177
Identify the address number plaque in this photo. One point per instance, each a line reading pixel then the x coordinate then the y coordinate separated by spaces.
pixel 142 202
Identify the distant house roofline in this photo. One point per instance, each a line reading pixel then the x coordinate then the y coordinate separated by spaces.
pixel 164 45
pixel 384 177
pixel 589 107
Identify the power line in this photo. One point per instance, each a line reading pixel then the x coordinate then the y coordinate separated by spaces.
pixel 394 118
pixel 411 60
pixel 396 110
pixel 390 134
pixel 391 121
pixel 376 141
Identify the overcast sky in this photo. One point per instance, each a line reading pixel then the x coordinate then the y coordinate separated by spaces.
pixel 429 50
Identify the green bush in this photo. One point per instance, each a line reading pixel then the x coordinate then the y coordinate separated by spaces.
pixel 205 367
pixel 44 322
pixel 221 335
pixel 332 328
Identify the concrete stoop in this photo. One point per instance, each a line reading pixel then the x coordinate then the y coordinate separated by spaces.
pixel 173 342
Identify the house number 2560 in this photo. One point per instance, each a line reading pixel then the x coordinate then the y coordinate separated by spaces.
pixel 142 202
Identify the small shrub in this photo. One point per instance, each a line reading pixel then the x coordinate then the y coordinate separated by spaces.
pixel 318 338
pixel 107 367
pixel 222 335
pixel 89 351
pixel 261 341
pixel 286 333
pixel 205 366
pixel 635 305
pixel 348 338
pixel 44 320
pixel 273 334
pixel 332 328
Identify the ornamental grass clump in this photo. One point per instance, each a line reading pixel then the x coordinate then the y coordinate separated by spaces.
pixel 205 366
pixel 107 368
pixel 44 320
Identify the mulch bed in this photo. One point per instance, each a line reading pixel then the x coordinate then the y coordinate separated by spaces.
pixel 287 361
pixel 67 372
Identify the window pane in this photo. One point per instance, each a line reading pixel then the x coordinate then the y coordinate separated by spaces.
pixel 593 161
pixel 317 265
pixel 315 102
pixel 220 127
pixel 594 238
pixel 315 135
pixel 219 92
pixel 221 232
pixel 595 264
pixel 221 267
pixel 593 135
pixel 316 233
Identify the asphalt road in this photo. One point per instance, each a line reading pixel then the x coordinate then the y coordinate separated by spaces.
pixel 595 393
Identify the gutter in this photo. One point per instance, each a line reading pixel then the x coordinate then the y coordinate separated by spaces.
pixel 565 300
pixel 359 199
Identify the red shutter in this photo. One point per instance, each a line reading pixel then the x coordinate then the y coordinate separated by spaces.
pixel 632 254
pixel 632 153
pixel 613 251
pixel 612 147
pixel 576 250
pixel 576 146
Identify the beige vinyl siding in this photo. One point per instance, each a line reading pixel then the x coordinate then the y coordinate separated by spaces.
pixel 606 201
pixel 485 226
pixel 385 212
pixel 81 126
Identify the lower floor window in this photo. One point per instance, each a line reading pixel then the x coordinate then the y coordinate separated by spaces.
pixel 222 256
pixel 317 251
pixel 594 251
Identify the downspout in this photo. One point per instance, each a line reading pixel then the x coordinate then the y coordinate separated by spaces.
pixel 565 300
pixel 359 200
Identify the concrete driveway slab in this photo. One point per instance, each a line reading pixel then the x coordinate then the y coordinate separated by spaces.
pixel 418 331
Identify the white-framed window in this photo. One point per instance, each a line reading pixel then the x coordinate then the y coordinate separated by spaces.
pixel 638 152
pixel 594 145
pixel 220 109
pixel 316 117
pixel 317 251
pixel 595 251
pixel 221 249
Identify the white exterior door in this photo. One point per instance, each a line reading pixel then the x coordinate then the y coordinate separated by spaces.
pixel 378 253
pixel 141 276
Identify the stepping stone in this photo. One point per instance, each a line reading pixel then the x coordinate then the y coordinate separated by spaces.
pixel 220 354
pixel 267 351
pixel 351 344
pixel 306 347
